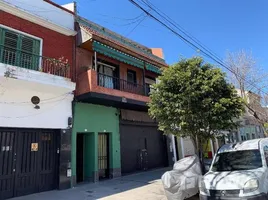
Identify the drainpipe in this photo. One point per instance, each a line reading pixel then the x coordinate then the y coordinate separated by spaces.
pixel 74 71
pixel 217 144
pixel 212 148
pixel 144 79
pixel 182 147
pixel 95 55
pixel 174 148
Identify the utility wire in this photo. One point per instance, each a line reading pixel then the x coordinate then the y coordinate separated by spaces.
pixel 131 31
pixel 48 100
pixel 124 19
pixel 174 23
pixel 34 114
pixel 203 50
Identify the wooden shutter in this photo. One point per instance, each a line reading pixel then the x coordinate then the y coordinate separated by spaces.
pixel 11 43
pixel 36 53
pixel 11 40
pixel 19 50
pixel 1 44
pixel 27 57
pixel 27 45
pixel 1 37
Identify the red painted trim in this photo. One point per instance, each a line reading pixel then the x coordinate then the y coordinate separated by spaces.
pixel 58 6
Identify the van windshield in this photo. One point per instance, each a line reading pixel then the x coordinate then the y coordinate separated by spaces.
pixel 237 160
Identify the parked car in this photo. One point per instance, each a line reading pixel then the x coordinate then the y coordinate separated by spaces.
pixel 238 171
pixel 182 181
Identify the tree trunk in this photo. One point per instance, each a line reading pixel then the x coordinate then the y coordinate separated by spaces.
pixel 197 142
pixel 201 155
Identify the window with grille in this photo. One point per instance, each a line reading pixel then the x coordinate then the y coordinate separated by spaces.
pixel 19 50
pixel 131 76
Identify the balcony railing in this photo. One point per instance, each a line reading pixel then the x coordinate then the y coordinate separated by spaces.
pixel 120 84
pixel 34 62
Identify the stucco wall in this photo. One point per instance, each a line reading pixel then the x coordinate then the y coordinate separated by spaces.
pixel 45 10
pixel 91 120
pixel 16 109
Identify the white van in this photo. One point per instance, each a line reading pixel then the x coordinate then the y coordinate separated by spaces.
pixel 238 171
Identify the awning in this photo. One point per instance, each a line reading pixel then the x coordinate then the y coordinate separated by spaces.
pixel 152 68
pixel 116 54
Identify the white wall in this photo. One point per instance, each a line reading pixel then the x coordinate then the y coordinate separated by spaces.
pixel 45 11
pixel 69 6
pixel 187 147
pixel 16 109
pixel 41 80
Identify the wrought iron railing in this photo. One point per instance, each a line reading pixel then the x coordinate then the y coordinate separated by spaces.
pixel 34 62
pixel 120 84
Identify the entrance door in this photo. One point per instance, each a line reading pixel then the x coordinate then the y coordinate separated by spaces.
pixel 103 155
pixel 28 161
pixel 7 163
pixel 80 158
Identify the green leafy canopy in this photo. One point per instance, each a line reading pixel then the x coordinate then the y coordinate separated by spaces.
pixel 193 99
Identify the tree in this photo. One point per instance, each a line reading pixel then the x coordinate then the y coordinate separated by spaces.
pixel 251 80
pixel 192 98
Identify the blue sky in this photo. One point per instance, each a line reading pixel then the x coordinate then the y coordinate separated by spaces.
pixel 221 25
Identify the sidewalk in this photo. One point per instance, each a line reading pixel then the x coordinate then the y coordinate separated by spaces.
pixel 142 186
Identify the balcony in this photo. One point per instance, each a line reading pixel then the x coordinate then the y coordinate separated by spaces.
pixel 120 84
pixel 34 72
pixel 99 88
pixel 31 61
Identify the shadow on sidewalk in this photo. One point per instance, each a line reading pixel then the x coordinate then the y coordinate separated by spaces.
pixel 125 185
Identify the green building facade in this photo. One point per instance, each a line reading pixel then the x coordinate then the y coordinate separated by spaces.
pixel 95 143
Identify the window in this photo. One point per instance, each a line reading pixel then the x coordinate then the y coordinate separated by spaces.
pixel 237 160
pixel 265 150
pixel 131 76
pixel 19 50
pixel 148 82
pixel 106 75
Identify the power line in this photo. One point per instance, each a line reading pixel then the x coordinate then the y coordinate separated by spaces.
pixel 203 50
pixel 175 24
pixel 131 31
pixel 48 100
pixel 124 19
pixel 34 114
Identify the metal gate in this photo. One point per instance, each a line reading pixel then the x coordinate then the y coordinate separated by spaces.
pixel 142 147
pixel 28 161
pixel 103 155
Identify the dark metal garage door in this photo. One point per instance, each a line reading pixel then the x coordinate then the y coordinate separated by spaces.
pixel 28 161
pixel 142 147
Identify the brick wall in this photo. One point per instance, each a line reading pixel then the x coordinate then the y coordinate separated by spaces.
pixel 88 83
pixel 55 45
pixel 84 60
pixel 123 72
pixel 87 79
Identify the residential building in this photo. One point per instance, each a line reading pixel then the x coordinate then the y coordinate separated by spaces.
pixel 252 122
pixel 112 132
pixel 36 93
